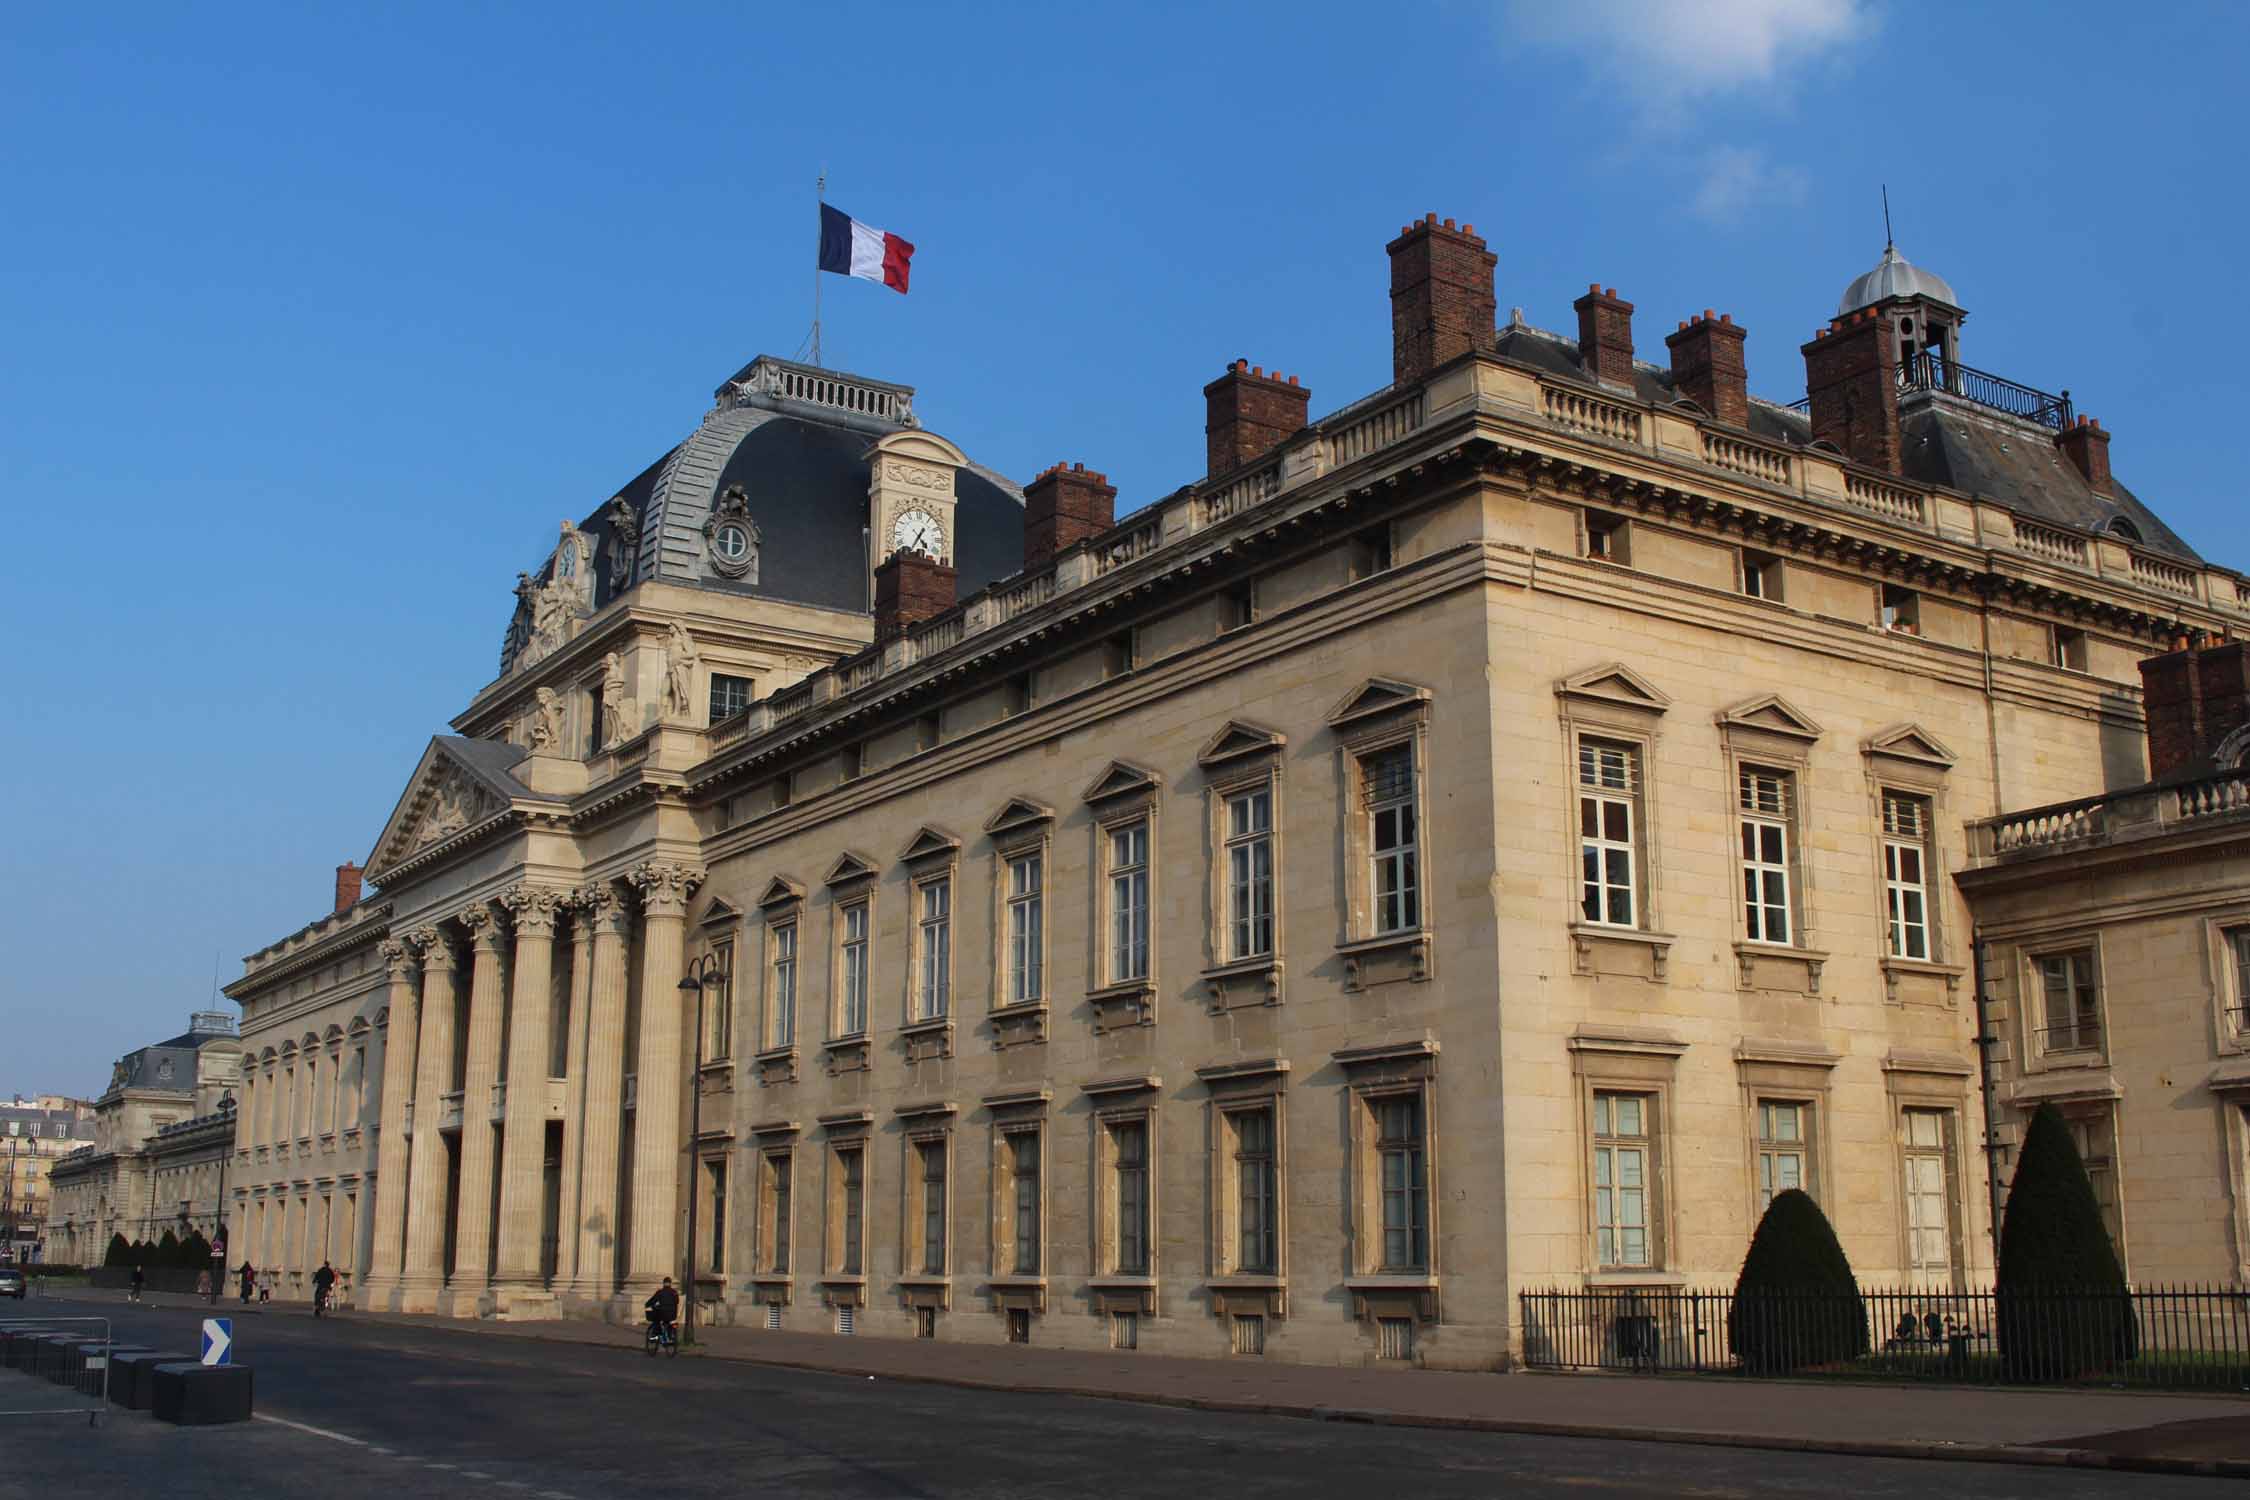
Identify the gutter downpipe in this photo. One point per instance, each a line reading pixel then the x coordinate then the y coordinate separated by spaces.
pixel 1985 1042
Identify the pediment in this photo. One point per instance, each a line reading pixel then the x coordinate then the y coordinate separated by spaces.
pixel 722 913
pixel 1909 742
pixel 448 794
pixel 1615 684
pixel 929 841
pixel 1020 812
pixel 1122 779
pixel 1237 739
pixel 780 891
pixel 1773 714
pixel 1377 695
pixel 919 444
pixel 848 868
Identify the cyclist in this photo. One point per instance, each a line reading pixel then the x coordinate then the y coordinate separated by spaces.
pixel 324 1285
pixel 663 1310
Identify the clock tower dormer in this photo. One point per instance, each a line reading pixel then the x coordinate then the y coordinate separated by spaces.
pixel 910 495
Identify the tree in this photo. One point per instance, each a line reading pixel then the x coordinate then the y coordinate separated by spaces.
pixel 167 1252
pixel 195 1252
pixel 1796 1302
pixel 2063 1307
pixel 119 1253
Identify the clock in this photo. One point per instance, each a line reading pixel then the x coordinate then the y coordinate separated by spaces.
pixel 919 531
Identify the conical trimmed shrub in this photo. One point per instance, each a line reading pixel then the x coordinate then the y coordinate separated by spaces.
pixel 1796 1302
pixel 2063 1308
pixel 119 1252
pixel 195 1251
pixel 167 1251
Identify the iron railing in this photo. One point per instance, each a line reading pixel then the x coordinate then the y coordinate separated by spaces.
pixel 2170 1337
pixel 1930 370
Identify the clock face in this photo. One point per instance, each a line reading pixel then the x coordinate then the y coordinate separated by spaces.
pixel 918 530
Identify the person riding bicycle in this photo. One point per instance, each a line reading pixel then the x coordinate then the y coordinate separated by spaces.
pixel 324 1285
pixel 663 1308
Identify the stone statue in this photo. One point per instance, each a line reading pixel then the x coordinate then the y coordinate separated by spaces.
pixel 615 702
pixel 547 721
pixel 679 673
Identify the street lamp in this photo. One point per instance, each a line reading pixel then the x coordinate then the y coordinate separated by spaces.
pixel 704 972
pixel 219 1209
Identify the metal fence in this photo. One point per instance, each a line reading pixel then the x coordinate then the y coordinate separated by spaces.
pixel 2170 1338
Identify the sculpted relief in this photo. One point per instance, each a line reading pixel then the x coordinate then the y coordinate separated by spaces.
pixel 550 610
pixel 454 803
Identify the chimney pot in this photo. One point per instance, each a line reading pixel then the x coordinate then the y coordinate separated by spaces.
pixel 2086 445
pixel 1468 229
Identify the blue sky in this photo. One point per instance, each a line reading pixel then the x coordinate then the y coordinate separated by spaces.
pixel 316 319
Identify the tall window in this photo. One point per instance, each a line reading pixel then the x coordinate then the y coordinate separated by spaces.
pixel 1764 799
pixel 2092 1134
pixel 1781 1148
pixel 1608 831
pixel 1256 1192
pixel 729 696
pixel 2238 949
pixel 1250 874
pixel 851 1163
pixel 1128 1140
pixel 935 937
pixel 2073 1002
pixel 1622 1160
pixel 1128 903
pixel 1401 1165
pixel 784 986
pixel 1026 924
pixel 853 939
pixel 1387 783
pixel 1906 897
pixel 716 1247
pixel 1023 1175
pixel 1929 1231
pixel 932 1155
pixel 778 1172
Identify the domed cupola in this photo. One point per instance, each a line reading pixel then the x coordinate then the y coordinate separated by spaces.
pixel 1925 318
pixel 1895 276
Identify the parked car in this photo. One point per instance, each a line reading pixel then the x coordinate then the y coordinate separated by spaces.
pixel 13 1283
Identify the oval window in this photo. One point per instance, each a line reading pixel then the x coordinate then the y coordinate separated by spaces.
pixel 732 542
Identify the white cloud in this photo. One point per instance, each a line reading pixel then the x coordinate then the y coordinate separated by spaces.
pixel 1733 181
pixel 1671 50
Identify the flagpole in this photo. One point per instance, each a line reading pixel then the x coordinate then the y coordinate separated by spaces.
pixel 820 190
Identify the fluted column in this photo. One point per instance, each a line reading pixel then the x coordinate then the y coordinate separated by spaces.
pixel 574 1089
pixel 488 1004
pixel 426 1169
pixel 387 1256
pixel 664 891
pixel 604 1116
pixel 523 1136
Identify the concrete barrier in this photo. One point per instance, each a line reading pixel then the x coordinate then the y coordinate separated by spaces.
pixel 129 1375
pixel 197 1395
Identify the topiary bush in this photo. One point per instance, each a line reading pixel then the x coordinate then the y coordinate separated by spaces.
pixel 1796 1302
pixel 167 1251
pixel 195 1252
pixel 119 1253
pixel 2063 1308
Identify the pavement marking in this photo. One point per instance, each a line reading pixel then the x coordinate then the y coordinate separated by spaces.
pixel 338 1437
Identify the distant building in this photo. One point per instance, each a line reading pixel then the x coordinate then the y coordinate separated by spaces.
pixel 34 1133
pixel 160 1131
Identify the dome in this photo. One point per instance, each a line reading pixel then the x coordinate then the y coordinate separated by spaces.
pixel 1894 276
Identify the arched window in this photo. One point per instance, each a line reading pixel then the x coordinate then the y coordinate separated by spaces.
pixel 2120 527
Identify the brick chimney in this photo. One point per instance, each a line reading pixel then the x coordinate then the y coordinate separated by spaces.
pixel 2194 698
pixel 1248 414
pixel 1851 374
pixel 1061 508
pixel 2087 448
pixel 1708 368
pixel 348 881
pixel 1442 303
pixel 910 588
pixel 1605 335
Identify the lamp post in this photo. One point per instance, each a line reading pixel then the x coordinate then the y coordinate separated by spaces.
pixel 219 1245
pixel 704 972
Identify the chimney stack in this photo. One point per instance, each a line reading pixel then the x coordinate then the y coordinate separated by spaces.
pixel 1708 368
pixel 910 588
pixel 1248 414
pixel 2086 445
pixel 1442 303
pixel 1061 508
pixel 1851 375
pixel 1605 335
pixel 348 881
pixel 2194 698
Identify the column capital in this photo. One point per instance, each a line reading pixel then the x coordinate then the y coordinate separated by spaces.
pixel 665 887
pixel 600 908
pixel 533 908
pixel 483 931
pixel 398 957
pixel 437 952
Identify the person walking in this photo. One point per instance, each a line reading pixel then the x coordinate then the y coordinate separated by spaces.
pixel 140 1277
pixel 249 1275
pixel 265 1286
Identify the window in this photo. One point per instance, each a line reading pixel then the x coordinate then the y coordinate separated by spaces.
pixel 1117 655
pixel 1764 798
pixel 926 732
pixel 1623 1148
pixel 853 761
pixel 2069 649
pixel 1929 1199
pixel 934 940
pixel 852 951
pixel 1402 1180
pixel 851 1162
pixel 1128 1144
pixel 1387 784
pixel 1782 1144
pixel 1249 852
pixel 1608 538
pixel 729 695
pixel 932 1154
pixel 731 542
pixel 783 1005
pixel 1761 575
pixel 1372 552
pixel 1019 698
pixel 1238 607
pixel 1906 891
pixel 716 1248
pixel 1026 935
pixel 2093 1135
pixel 1023 1183
pixel 1901 610
pixel 2073 1002
pixel 1128 902
pixel 1256 1192
pixel 779 1169
pixel 2238 954
pixel 1608 830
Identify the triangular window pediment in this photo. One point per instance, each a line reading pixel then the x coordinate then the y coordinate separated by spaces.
pixel 1121 779
pixel 1021 812
pixel 722 913
pixel 1377 695
pixel 1773 714
pixel 1616 684
pixel 781 891
pixel 848 868
pixel 445 796
pixel 1910 742
pixel 928 842
pixel 1238 739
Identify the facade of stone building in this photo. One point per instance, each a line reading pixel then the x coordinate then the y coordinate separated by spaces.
pixel 1490 837
pixel 34 1133
pixel 158 1137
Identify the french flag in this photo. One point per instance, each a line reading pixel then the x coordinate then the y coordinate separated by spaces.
pixel 850 248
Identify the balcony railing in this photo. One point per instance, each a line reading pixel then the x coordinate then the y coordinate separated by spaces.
pixel 2139 812
pixel 2082 1035
pixel 1931 371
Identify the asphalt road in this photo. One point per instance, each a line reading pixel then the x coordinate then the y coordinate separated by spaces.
pixel 367 1410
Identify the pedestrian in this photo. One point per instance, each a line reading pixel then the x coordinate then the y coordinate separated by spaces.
pixel 249 1280
pixel 265 1285
pixel 139 1276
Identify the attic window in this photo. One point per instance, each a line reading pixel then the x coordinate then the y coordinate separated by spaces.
pixel 2070 649
pixel 1761 575
pixel 1902 610
pixel 1609 538
pixel 2123 529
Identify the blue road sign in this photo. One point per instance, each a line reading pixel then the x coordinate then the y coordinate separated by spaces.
pixel 218 1341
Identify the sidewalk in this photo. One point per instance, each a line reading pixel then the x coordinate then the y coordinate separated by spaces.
pixel 2119 1430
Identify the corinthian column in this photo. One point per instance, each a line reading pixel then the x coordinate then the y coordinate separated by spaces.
pixel 602 1124
pixel 426 1169
pixel 523 1138
pixel 387 1254
pixel 574 1090
pixel 488 1003
pixel 656 1116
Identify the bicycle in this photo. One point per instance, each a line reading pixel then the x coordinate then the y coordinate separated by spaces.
pixel 664 1336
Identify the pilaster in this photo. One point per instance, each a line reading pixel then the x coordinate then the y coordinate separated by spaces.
pixel 657 1142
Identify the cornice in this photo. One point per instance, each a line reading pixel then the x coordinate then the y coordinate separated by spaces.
pixel 323 950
